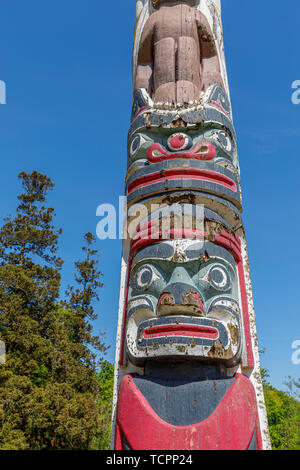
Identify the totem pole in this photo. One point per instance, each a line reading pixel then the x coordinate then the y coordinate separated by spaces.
pixel 187 364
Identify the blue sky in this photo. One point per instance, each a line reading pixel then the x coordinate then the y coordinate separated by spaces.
pixel 67 67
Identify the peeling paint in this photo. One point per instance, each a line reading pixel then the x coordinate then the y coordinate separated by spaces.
pixel 186 300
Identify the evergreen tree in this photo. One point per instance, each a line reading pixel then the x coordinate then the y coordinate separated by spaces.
pixel 49 390
pixel 283 410
pixel 284 419
pixel 106 383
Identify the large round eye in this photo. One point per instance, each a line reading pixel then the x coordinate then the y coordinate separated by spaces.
pixel 144 278
pixel 225 141
pixel 219 278
pixel 136 144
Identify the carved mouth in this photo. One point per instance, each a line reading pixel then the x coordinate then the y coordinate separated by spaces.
pixel 181 173
pixel 181 330
pixel 196 331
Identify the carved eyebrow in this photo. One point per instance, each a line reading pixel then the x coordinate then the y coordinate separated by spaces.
pixel 155 251
pixel 212 250
pixel 196 250
pixel 166 251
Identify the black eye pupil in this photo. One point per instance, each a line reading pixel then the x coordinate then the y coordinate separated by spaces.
pixel 146 277
pixel 223 140
pixel 135 144
pixel 217 276
pixel 143 278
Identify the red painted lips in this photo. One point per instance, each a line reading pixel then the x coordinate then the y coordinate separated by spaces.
pixel 196 331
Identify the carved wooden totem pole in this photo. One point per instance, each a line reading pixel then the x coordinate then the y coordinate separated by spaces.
pixel 187 364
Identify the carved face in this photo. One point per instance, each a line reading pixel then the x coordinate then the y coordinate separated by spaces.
pixel 183 302
pixel 208 145
pixel 214 142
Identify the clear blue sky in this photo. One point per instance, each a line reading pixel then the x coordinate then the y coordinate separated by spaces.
pixel 67 67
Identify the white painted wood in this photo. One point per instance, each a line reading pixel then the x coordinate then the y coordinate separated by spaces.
pixel 212 10
pixel 255 375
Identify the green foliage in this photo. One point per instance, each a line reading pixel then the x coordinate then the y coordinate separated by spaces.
pixel 106 383
pixel 284 419
pixel 55 393
pixel 49 388
pixel 283 410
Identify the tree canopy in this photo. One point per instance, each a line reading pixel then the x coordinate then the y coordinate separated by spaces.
pixel 55 387
pixel 49 388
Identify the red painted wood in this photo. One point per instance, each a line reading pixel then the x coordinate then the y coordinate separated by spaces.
pixel 194 153
pixel 214 103
pixel 118 439
pixel 182 173
pixel 196 331
pixel 177 142
pixel 230 427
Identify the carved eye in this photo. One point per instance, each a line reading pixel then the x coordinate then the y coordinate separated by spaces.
pixel 136 144
pixel 144 277
pixel 219 278
pixel 225 141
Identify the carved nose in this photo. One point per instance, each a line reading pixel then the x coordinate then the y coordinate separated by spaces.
pixel 180 299
pixel 166 299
